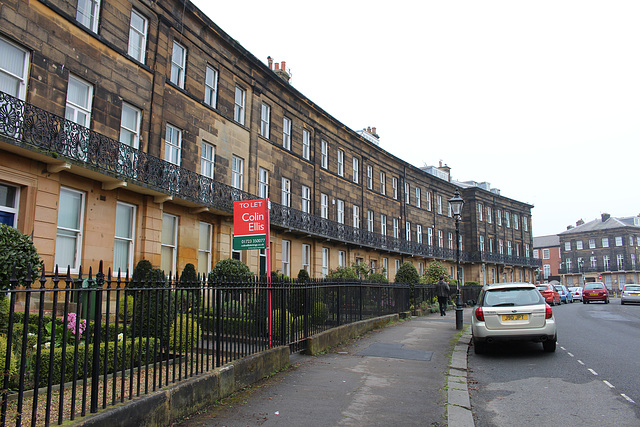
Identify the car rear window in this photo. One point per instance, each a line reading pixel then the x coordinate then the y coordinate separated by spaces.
pixel 512 297
pixel 634 288
pixel 593 286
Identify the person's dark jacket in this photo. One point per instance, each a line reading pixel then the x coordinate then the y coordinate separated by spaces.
pixel 442 289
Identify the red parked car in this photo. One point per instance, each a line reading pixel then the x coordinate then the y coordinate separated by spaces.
pixel 551 296
pixel 595 291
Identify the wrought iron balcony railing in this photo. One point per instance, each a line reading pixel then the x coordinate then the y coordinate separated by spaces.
pixel 35 129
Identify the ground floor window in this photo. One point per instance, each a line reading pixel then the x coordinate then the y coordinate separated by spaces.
pixel 69 229
pixel 9 196
pixel 169 247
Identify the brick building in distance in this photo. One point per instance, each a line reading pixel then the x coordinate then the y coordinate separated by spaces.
pixel 128 128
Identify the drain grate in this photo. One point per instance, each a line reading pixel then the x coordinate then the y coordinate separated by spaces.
pixel 395 351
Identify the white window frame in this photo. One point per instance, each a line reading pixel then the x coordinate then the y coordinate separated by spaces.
pixel 567 246
pixel 324 154
pixel 394 185
pixel 593 261
pixel 325 262
pixel 592 243
pixel 173 145
pixel 76 232
pixel 263 183
pixel 265 120
pixel 500 246
pixel 439 204
pixel 340 162
pixel 342 259
pixel 128 240
pixel 428 199
pixel 499 217
pixel 407 231
pixel 605 242
pixel 75 109
pixel 429 236
pixel 525 223
pixel 370 177
pixel 286 193
pixel 407 189
pixel 356 216
pixel 178 64
pixel 383 183
pixel 306 144
pixel 169 244
pixel 516 221
pixel 356 170
pixel 286 257
pixel 237 172
pixel 88 14
pixel 396 228
pixel 546 254
pixel 324 206
pixel 370 221
pixel 507 219
pixel 579 246
pixel 340 211
pixel 619 241
pixel 138 27
pixel 418 198
pixel 306 257
pixel 419 233
pixel 480 211
pixel 306 199
pixel 440 239
pixel 239 105
pixel 286 133
pixel 489 217
pixel 17 73
pixel 207 160
pixel 12 206
pixel 481 243
pixel 130 126
pixel 385 267
pixel 205 245
pixel 211 87
pixel 450 240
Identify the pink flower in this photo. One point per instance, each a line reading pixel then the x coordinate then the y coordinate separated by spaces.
pixel 71 324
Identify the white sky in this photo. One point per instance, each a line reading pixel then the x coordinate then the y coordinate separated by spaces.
pixel 539 98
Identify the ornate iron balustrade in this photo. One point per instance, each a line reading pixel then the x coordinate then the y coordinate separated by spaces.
pixel 33 128
pixel 505 259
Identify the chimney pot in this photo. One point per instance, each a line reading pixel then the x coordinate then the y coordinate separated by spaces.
pixel 270 61
pixel 283 65
pixel 277 66
pixel 373 130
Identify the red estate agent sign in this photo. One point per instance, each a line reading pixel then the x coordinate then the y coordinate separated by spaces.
pixel 250 224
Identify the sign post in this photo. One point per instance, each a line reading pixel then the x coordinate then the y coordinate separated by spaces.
pixel 252 230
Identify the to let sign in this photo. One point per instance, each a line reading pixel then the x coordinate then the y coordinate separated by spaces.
pixel 250 224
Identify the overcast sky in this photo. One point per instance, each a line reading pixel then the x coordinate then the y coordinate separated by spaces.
pixel 541 99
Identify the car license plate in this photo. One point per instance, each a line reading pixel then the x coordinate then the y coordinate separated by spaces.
pixel 509 317
pixel 634 295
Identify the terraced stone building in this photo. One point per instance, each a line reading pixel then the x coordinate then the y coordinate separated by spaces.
pixel 128 128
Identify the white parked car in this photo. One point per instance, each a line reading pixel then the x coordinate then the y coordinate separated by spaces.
pixel 512 312
pixel 576 291
pixel 630 293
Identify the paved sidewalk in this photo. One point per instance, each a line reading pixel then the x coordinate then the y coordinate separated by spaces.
pixel 411 373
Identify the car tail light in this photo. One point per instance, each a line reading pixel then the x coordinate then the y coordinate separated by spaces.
pixel 479 314
pixel 548 312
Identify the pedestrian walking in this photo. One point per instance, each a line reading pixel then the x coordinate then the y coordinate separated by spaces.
pixel 442 292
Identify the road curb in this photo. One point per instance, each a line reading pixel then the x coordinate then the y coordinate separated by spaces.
pixel 458 404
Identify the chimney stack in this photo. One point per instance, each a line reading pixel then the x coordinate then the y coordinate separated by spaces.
pixel 283 66
pixel 270 61
pixel 605 216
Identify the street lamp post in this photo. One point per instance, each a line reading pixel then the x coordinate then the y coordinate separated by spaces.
pixel 456 208
pixel 581 265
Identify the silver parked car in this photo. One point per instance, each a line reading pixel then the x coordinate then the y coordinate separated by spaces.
pixel 630 293
pixel 576 291
pixel 512 312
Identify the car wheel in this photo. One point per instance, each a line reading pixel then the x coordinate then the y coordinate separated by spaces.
pixel 621 302
pixel 479 347
pixel 606 301
pixel 549 346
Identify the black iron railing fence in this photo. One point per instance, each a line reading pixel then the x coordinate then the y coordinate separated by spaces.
pixel 73 345
pixel 33 128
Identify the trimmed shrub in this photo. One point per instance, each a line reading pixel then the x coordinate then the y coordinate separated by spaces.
pixel 303 276
pixel 185 333
pixel 377 278
pixel 276 328
pixel 4 313
pixel 230 270
pixel 320 313
pixel 434 272
pixel 13 365
pixel 17 248
pixel 125 310
pixel 408 274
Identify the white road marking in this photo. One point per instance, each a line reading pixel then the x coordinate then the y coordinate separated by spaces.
pixel 580 362
pixel 608 383
pixel 570 354
pixel 562 348
pixel 592 371
pixel 627 397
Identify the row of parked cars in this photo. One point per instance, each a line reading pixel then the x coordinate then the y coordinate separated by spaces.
pixel 522 311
